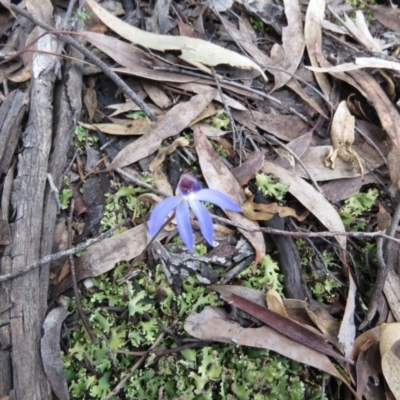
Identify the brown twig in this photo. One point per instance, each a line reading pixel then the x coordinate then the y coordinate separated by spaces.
pixel 74 281
pixel 90 56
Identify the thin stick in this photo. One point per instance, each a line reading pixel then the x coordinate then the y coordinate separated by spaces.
pixel 58 256
pixel 93 58
pixel 142 359
pixel 74 281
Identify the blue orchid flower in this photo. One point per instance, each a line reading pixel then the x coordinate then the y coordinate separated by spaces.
pixel 189 195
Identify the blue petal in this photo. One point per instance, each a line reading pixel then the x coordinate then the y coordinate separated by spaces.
pixel 205 221
pixel 160 213
pixel 184 227
pixel 218 198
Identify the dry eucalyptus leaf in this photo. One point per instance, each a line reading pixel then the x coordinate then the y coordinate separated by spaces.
pixel 248 170
pixel 265 212
pixel 197 52
pixel 176 119
pixel 102 257
pixel 314 201
pixel 388 115
pixel 135 61
pixel 313 36
pixel 157 95
pixel 392 293
pixel 214 324
pixel 342 137
pixel 50 352
pixel 285 127
pixel 161 181
pixel 359 63
pixel 274 302
pixel 289 55
pixel 132 127
pixel 390 353
pixel 162 153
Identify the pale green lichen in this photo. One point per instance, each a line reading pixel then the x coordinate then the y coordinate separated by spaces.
pixel 213 372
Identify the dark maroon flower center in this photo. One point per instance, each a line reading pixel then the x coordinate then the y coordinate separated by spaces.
pixel 188 184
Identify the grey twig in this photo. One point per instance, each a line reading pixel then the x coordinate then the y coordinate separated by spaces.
pixel 58 256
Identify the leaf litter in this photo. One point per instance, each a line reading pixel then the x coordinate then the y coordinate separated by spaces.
pixel 169 69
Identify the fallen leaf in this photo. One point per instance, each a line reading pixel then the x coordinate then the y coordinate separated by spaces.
pixel 289 55
pixel 214 324
pixel 359 63
pixel 314 201
pixel 347 331
pixel 392 293
pixel 248 170
pixel 131 127
pixel 50 352
pixel 386 15
pixel 365 341
pixel 313 36
pixel 360 32
pixel 388 115
pixel 200 53
pixel 390 353
pixel 162 153
pixel 218 177
pixel 275 303
pixel 157 95
pixel 90 98
pixel 176 119
pixel 265 212
pixel 368 369
pixel 196 87
pixel 102 257
pixel 135 61
pixel 285 127
pixel 313 159
pixel 286 326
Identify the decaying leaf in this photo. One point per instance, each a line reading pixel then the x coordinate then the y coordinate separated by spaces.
pixel 390 353
pixel 289 55
pixel 285 127
pixel 214 324
pixel 103 256
pixel 135 61
pixel 275 303
pixel 218 176
pixel 265 212
pixel 313 37
pixel 131 127
pixel 50 352
pixel 392 293
pixel 342 137
pixel 314 201
pixel 162 153
pixel 286 326
pixel 248 170
pixel 176 119
pixel 197 52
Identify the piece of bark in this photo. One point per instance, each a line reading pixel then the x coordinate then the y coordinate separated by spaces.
pixel 12 111
pixel 28 293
